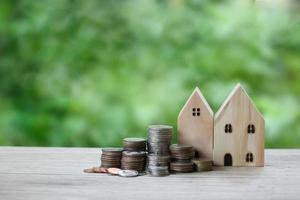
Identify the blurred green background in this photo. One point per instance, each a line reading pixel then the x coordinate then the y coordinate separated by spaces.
pixel 88 73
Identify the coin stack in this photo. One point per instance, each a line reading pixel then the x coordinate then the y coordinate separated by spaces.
pixel 134 160
pixel 202 165
pixel 134 144
pixel 134 156
pixel 182 167
pixel 158 170
pixel 111 157
pixel 158 160
pixel 159 140
pixel 181 156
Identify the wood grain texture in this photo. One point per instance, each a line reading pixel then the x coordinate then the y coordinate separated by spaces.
pixel 56 173
pixel 239 111
pixel 195 127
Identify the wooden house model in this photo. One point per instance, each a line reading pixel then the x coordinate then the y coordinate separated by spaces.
pixel 236 135
pixel 238 132
pixel 195 125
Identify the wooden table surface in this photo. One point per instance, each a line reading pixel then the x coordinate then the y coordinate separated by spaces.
pixel 56 173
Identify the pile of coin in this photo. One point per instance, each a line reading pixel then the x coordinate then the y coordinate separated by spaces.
pixel 159 140
pixel 181 156
pixel 182 167
pixel 128 173
pixel 112 171
pixel 202 165
pixel 111 157
pixel 96 170
pixel 134 160
pixel 134 144
pixel 182 152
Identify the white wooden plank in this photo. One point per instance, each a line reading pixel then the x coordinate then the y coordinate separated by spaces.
pixel 56 173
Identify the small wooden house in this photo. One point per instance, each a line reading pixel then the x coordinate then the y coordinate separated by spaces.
pixel 238 132
pixel 195 125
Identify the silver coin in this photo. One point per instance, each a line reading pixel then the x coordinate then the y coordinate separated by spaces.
pixel 134 154
pixel 162 158
pixel 158 170
pixel 160 127
pixel 112 149
pixel 128 173
pixel 134 140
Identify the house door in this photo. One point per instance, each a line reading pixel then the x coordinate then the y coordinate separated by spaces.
pixel 227 159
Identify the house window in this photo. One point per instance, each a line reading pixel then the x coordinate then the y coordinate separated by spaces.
pixel 196 111
pixel 249 157
pixel 251 129
pixel 228 128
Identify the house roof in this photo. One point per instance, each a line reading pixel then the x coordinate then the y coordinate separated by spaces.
pixel 197 92
pixel 238 89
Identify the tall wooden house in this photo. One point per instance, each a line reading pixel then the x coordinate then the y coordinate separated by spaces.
pixel 195 125
pixel 238 132
pixel 235 137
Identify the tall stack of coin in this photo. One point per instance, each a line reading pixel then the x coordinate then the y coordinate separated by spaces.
pixel 158 170
pixel 134 160
pixel 159 140
pixel 158 160
pixel 111 157
pixel 134 144
pixel 182 156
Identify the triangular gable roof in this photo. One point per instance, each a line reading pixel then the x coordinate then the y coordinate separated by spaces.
pixel 238 88
pixel 197 92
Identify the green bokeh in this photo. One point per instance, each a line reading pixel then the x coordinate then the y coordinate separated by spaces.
pixel 88 73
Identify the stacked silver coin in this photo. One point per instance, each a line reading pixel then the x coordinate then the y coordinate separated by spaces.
pixel 182 152
pixel 181 156
pixel 159 140
pixel 182 167
pixel 158 170
pixel 134 154
pixel 111 157
pixel 158 160
pixel 134 144
pixel 134 160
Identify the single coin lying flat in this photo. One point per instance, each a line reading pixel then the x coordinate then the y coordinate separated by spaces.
pixel 128 173
pixel 113 171
pixel 95 170
pixel 89 170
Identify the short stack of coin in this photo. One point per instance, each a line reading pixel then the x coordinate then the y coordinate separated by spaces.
pixel 134 160
pixel 182 167
pixel 202 165
pixel 111 157
pixel 159 140
pixel 181 156
pixel 134 144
